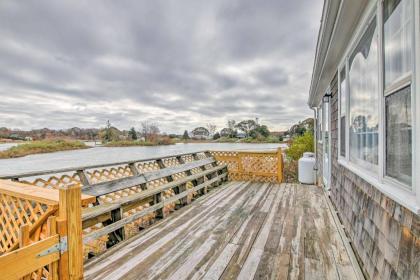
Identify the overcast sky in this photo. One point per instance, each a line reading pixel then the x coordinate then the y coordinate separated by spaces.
pixel 181 63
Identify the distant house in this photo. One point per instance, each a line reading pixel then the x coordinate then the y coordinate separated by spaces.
pixel 365 93
pixel 27 138
pixel 200 133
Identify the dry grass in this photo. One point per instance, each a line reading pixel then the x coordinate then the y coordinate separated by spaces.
pixel 128 143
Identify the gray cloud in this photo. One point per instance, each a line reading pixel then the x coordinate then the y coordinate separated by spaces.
pixel 180 63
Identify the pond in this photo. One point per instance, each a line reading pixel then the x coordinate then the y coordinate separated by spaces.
pixel 103 155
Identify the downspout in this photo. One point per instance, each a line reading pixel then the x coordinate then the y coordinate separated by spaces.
pixel 315 144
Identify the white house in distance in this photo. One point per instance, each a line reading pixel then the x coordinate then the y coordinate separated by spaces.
pixel 365 92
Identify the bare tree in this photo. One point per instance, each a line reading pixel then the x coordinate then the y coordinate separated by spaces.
pixel 231 124
pixel 211 128
pixel 149 130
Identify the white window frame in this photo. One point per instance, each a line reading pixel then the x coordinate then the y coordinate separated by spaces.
pixel 320 120
pixel 340 67
pixel 402 194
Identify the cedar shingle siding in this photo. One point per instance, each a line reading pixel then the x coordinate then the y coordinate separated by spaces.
pixel 385 235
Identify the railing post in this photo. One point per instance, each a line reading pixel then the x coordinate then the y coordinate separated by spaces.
pixel 24 241
pixel 70 226
pixel 279 165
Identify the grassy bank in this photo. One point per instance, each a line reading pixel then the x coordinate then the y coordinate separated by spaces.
pixel 248 140
pixel 40 147
pixel 127 143
pixel 266 140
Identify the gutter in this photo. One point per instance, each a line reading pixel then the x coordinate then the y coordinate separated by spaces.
pixel 315 143
pixel 320 65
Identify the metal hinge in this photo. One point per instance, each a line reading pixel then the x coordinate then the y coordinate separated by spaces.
pixel 59 247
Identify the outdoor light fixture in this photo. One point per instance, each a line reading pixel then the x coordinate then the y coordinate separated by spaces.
pixel 326 98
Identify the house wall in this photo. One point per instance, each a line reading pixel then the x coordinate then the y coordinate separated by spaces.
pixel 384 234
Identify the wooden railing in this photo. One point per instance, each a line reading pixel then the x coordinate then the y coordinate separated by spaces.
pixel 54 220
pixel 127 196
pixel 261 166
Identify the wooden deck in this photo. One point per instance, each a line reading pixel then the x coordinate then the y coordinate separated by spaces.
pixel 242 230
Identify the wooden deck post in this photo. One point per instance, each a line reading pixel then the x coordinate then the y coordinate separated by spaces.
pixel 279 165
pixel 24 240
pixel 70 226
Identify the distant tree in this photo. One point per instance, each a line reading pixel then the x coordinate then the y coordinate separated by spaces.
pixel 200 132
pixel 185 136
pixel 132 133
pixel 216 136
pixel 226 132
pixel 281 138
pixel 108 132
pixel 300 130
pixel 211 128
pixel 262 130
pixel 150 131
pixel 231 125
pixel 246 126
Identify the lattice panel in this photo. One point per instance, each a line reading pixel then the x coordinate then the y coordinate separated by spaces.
pixel 108 174
pixel 170 162
pixel 252 166
pixel 15 212
pixel 147 166
pixel 201 156
pixel 187 158
pixel 264 164
pixel 134 227
pixel 96 246
pixel 54 182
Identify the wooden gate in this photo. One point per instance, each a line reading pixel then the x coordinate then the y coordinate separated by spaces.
pixel 40 232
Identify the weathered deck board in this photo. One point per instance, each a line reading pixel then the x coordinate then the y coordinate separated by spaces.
pixel 242 230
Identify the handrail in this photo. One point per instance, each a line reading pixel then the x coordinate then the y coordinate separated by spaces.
pixel 86 167
pixel 48 197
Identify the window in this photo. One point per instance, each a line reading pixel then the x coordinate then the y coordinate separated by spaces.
pixel 363 100
pixel 398 34
pixel 343 102
pixel 398 135
pixel 378 108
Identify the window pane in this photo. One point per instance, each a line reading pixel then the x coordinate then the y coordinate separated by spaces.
pixel 343 112
pixel 398 35
pixel 398 135
pixel 363 98
pixel 343 136
pixel 343 92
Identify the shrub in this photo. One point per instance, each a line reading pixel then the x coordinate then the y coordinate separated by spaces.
pixel 300 145
pixel 216 136
pixel 297 147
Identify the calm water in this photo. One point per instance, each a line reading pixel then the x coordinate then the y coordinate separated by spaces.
pixel 102 155
pixel 6 146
